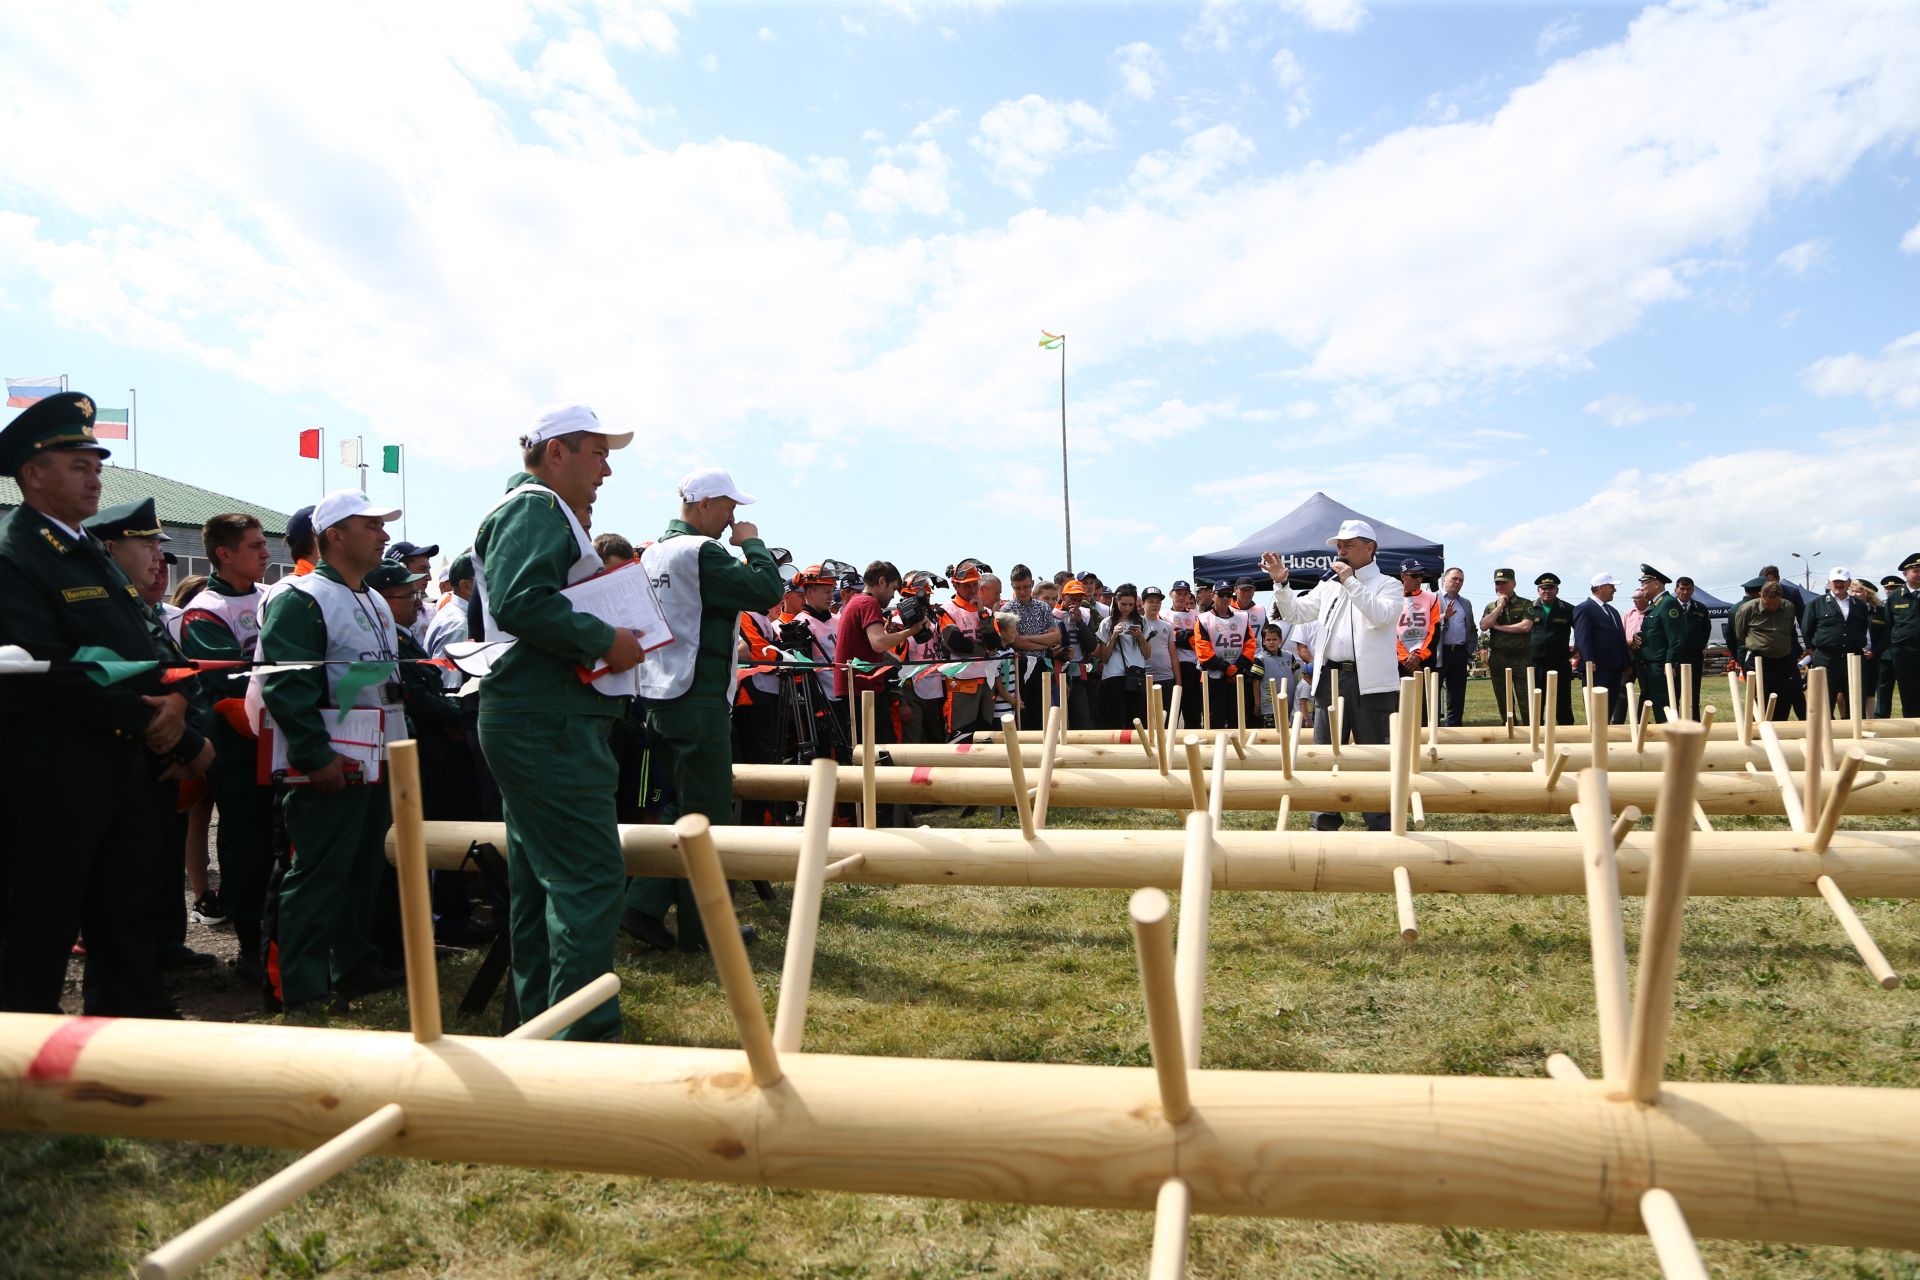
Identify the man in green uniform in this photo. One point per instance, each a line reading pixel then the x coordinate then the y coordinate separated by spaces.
pixel 1900 664
pixel 337 812
pixel 1550 645
pixel 1835 625
pixel 543 730
pixel 689 683
pixel 68 862
pixel 1507 623
pixel 1662 641
pixel 1696 628
pixel 132 535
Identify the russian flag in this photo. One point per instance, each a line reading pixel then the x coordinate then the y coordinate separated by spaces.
pixel 22 392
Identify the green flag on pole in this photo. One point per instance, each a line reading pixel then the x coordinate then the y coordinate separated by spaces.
pixel 390 459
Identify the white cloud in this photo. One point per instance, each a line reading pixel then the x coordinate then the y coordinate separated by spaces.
pixel 1328 15
pixel 1563 30
pixel 1293 78
pixel 1910 242
pixel 767 34
pixel 1021 139
pixel 936 122
pixel 832 170
pixel 642 26
pixel 1708 512
pixel 1891 378
pixel 1165 177
pixel 922 187
pixel 1804 257
pixel 709 63
pixel 1618 409
pixel 1139 67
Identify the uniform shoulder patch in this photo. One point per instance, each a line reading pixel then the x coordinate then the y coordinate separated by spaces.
pixel 73 595
pixel 52 541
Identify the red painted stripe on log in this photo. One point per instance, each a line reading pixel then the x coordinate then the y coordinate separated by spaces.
pixel 922 776
pixel 57 1056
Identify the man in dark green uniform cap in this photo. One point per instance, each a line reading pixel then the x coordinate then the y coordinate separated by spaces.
pixel 689 684
pixel 337 813
pixel 132 535
pixel 543 730
pixel 1900 664
pixel 1662 640
pixel 1550 645
pixel 1696 629
pixel 1507 623
pixel 68 862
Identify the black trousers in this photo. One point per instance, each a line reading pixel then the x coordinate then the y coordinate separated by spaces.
pixel 1614 681
pixel 80 838
pixel 1190 677
pixel 1033 691
pixel 1364 720
pixel 1899 669
pixel 1784 686
pixel 1454 661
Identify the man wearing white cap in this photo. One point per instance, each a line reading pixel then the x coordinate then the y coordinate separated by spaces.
pixel 336 820
pixel 1355 654
pixel 1600 639
pixel 544 731
pixel 1835 625
pixel 689 683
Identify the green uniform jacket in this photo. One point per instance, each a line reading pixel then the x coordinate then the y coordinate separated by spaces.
pixel 1508 646
pixel 526 548
pixel 1828 633
pixel 1903 619
pixel 57 595
pixel 203 636
pixel 1662 633
pixel 431 711
pixel 727 588
pixel 200 713
pixel 1552 636
pixel 1695 630
pixel 296 630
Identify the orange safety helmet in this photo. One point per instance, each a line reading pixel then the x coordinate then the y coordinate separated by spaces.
pixel 812 576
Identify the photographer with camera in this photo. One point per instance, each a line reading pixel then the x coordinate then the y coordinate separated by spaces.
pixel 1123 651
pixel 1075 619
pixel 968 634
pixel 863 635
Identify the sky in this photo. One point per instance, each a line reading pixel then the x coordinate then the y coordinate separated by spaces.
pixel 1565 288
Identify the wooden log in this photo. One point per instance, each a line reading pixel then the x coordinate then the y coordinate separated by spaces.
pixel 1672 1237
pixel 1752 1161
pixel 803 918
pixel 1897 794
pixel 1016 765
pixel 711 895
pixel 1605 935
pixel 416 898
pixel 1660 938
pixel 1877 864
pixel 1870 953
pixel 1153 947
pixel 1171 1211
pixel 1190 958
pixel 1403 904
pixel 1196 777
pixel 1464 735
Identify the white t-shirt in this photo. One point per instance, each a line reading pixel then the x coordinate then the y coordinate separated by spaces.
pixel 1160 656
pixel 1125 653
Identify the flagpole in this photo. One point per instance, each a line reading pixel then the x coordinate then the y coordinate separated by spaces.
pixel 401 458
pixel 1066 500
pixel 322 460
pixel 360 453
pixel 133 424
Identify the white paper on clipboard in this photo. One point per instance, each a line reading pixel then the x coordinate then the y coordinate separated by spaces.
pixel 360 736
pixel 622 598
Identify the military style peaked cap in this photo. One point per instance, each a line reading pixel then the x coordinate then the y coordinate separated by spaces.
pixel 1503 575
pixel 392 574
pixel 55 423
pixel 1650 574
pixel 1912 561
pixel 135 519
pixel 1547 580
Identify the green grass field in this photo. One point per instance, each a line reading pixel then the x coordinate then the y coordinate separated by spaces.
pixel 1768 991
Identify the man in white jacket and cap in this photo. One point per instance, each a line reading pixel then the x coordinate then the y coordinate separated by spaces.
pixel 1354 658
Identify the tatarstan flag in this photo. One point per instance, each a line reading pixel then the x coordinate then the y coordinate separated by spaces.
pixel 110 424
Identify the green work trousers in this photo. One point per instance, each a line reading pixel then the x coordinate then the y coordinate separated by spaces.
pixel 328 894
pixel 1497 668
pixel 692 740
pixel 557 777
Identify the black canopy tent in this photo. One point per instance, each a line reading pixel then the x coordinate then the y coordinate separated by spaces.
pixel 1300 538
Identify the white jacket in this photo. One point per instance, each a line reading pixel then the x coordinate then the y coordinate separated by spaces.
pixel 1367 607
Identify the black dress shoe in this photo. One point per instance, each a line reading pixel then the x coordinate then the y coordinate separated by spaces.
pixel 367 978
pixel 647 930
pixel 185 957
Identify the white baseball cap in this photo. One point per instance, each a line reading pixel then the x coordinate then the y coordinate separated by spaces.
pixel 1353 529
pixel 1837 574
pixel 558 420
pixel 1603 580
pixel 711 482
pixel 345 504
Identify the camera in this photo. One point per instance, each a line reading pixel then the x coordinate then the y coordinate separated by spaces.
pixel 913 609
pixel 795 635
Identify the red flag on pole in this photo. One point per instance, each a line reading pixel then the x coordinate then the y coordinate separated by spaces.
pixel 310 443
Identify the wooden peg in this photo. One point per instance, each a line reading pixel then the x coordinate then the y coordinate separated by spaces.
pixel 1173 706
pixel 1240 713
pixel 1153 947
pixel 1606 939
pixel 1172 1212
pixel 1017 767
pixel 1706 716
pixel 1056 724
pixel 1666 902
pixel 1856 931
pixel 1857 694
pixel 1190 955
pixel 566 1011
pixel 1556 766
pixel 1672 1238
pixel 416 898
pixel 1674 710
pixel 1163 733
pixel 1736 692
pixel 1533 713
pixel 1433 720
pixel 1217 791
pixel 869 816
pixel 1836 803
pixel 715 901
pixel 1196 775
pixel 1286 811
pixel 1772 698
pixel 1141 734
pixel 1597 724
pixel 809 878
pixel 1686 691
pixel 1295 723
pixel 1624 823
pixel 1419 807
pixel 1782 775
pixel 1339 720
pixel 1561 1067
pixel 1700 820
pixel 1640 726
pixel 1819 736
pixel 1549 701
pixel 1206 700
pixel 1511 704
pixel 1397 756
pixel 843 867
pixel 1403 900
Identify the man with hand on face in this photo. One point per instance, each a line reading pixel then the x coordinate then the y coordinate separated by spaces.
pixel 545 732
pixel 1355 654
pixel 337 819
pixel 1507 623
pixel 1600 638
pixel 68 862
pixel 689 683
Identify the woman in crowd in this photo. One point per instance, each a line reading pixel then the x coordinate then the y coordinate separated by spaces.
pixel 1122 655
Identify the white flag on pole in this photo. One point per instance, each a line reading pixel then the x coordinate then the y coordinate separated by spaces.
pixel 350 453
